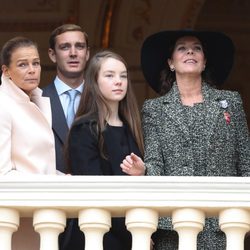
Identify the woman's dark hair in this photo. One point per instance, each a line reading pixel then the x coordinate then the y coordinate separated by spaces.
pixel 167 77
pixel 93 102
pixel 11 45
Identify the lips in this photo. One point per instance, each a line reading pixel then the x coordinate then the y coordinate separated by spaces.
pixel 73 63
pixel 31 80
pixel 190 61
pixel 117 90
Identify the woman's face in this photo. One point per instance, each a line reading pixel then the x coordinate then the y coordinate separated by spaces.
pixel 24 69
pixel 188 56
pixel 113 80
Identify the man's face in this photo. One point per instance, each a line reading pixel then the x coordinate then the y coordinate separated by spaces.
pixel 71 55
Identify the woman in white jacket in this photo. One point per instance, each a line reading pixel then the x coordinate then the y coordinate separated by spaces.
pixel 27 142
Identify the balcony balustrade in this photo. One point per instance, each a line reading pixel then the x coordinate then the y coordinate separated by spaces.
pixel 49 200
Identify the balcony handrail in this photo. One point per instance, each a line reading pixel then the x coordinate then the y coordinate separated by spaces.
pixel 49 200
pixel 118 193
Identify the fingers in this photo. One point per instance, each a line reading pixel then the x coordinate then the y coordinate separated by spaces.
pixel 134 157
pixel 127 164
pixel 133 165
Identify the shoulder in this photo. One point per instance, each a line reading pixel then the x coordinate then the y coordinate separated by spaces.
pixel 221 93
pixel 82 128
pixel 86 120
pixel 231 98
pixel 6 101
pixel 85 124
pixel 7 108
pixel 232 95
pixel 153 103
pixel 48 88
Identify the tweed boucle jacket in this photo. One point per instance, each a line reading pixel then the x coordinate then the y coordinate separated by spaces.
pixel 169 150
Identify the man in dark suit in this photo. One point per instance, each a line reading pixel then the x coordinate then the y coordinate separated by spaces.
pixel 69 50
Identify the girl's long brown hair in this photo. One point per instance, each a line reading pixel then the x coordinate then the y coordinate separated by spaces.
pixel 93 102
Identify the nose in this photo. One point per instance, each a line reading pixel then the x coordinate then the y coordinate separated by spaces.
pixel 72 51
pixel 31 68
pixel 190 51
pixel 118 81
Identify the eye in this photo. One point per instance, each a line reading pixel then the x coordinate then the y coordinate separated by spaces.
pixel 109 75
pixel 36 64
pixel 22 65
pixel 64 46
pixel 181 48
pixel 81 46
pixel 198 48
pixel 125 76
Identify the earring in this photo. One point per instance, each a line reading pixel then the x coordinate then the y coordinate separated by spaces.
pixel 172 69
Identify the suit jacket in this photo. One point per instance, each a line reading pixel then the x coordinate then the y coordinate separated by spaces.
pixel 27 143
pixel 225 147
pixel 59 125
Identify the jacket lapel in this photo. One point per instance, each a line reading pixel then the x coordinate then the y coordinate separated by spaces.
pixel 59 124
pixel 173 110
pixel 43 104
pixel 212 100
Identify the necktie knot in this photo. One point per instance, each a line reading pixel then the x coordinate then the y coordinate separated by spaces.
pixel 72 93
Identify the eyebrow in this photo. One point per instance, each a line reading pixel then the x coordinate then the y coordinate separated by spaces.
pixel 112 71
pixel 25 59
pixel 69 43
pixel 182 43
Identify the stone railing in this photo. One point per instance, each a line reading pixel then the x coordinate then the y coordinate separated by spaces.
pixel 49 200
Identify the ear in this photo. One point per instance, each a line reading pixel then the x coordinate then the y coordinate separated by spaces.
pixel 170 63
pixel 88 54
pixel 5 71
pixel 52 55
pixel 205 62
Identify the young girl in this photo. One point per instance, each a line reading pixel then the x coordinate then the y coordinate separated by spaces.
pixel 107 132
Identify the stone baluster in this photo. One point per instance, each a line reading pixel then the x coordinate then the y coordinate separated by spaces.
pixel 188 222
pixel 9 222
pixel 49 223
pixel 141 222
pixel 94 223
pixel 234 222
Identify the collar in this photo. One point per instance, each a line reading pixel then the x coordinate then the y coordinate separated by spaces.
pixel 11 89
pixel 62 87
pixel 209 93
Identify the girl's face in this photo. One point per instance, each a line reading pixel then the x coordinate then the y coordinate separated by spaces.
pixel 24 69
pixel 188 56
pixel 113 80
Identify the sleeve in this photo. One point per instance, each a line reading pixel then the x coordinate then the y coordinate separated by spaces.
pixel 153 151
pixel 83 151
pixel 242 136
pixel 6 165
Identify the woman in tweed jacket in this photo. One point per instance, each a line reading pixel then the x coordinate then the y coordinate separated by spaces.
pixel 193 129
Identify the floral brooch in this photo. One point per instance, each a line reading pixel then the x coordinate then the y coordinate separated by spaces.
pixel 227 116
